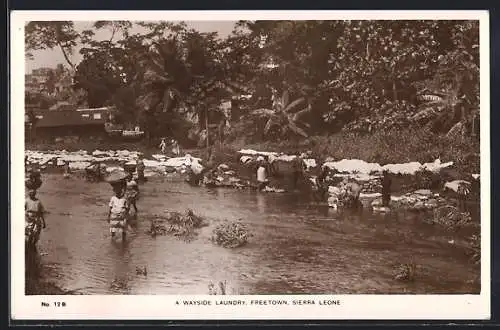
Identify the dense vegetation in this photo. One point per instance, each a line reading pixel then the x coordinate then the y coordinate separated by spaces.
pixel 305 78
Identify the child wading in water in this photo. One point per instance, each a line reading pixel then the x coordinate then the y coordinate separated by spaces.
pixel 34 223
pixel 118 211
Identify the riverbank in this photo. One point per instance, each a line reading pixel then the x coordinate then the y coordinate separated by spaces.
pixel 384 147
pixel 391 147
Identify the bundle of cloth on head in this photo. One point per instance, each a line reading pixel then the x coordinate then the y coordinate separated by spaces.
pixel 117 180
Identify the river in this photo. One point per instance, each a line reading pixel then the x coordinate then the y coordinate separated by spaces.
pixel 297 247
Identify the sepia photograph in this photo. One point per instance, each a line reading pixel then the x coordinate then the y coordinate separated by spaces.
pixel 245 160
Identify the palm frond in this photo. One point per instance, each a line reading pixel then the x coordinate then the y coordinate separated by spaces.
pixel 262 112
pixel 285 98
pixel 302 112
pixel 151 76
pixel 296 129
pixel 291 106
pixel 269 124
pixel 426 113
pixel 148 101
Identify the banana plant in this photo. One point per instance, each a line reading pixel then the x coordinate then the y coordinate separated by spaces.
pixel 452 96
pixel 285 116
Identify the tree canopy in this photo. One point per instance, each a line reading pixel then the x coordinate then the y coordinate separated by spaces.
pixel 359 75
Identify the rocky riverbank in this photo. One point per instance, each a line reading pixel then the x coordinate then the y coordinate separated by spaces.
pixel 417 185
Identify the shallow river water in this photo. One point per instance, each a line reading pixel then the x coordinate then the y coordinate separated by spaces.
pixel 297 247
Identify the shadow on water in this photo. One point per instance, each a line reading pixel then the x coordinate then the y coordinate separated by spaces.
pixel 297 247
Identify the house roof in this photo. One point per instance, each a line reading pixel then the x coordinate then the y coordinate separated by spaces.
pixel 68 118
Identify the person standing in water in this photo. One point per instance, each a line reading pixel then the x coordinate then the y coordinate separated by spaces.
pixel 35 220
pixel 386 188
pixel 118 211
pixel 298 171
pixel 262 180
pixel 322 185
pixel 140 169
pixel 132 193
pixel 209 166
pixel 34 223
pixel 67 169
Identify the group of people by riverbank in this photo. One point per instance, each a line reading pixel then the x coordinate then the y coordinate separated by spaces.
pixel 265 172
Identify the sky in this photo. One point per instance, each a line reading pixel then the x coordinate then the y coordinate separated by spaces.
pixel 50 58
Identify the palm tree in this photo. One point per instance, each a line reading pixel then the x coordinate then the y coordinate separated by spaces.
pixel 285 117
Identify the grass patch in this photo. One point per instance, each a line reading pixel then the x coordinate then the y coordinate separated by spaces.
pixel 181 225
pixel 451 218
pixel 231 235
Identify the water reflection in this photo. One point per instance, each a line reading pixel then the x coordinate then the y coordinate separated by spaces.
pixel 261 202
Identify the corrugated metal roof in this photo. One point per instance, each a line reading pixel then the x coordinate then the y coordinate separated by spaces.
pixel 68 118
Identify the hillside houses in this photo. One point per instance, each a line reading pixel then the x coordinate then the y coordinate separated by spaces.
pixel 49 81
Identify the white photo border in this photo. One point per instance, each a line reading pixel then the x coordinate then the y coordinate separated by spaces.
pixel 136 307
